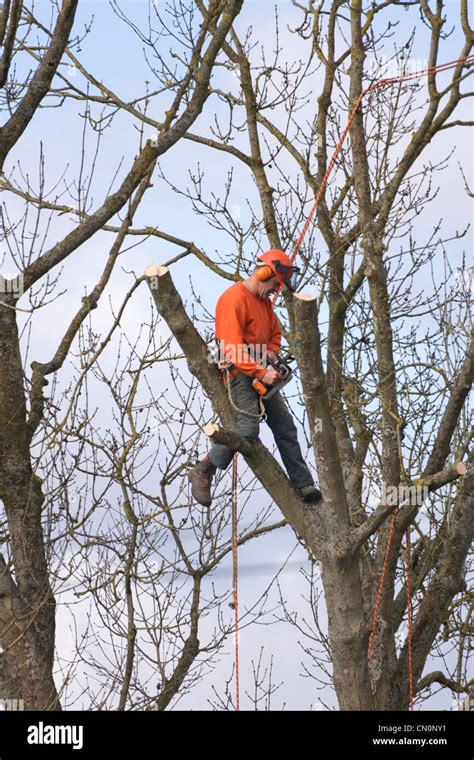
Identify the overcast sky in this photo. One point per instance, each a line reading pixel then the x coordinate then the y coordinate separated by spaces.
pixel 115 56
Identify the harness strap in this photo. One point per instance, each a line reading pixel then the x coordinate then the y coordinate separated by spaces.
pixel 262 415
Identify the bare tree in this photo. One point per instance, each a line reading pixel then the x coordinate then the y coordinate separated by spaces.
pixel 128 549
pixel 97 514
pixel 385 371
pixel 27 604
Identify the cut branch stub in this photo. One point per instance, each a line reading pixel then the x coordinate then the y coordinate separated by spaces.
pixel 210 429
pixel 155 271
pixel 229 438
pixel 305 297
pixel 439 479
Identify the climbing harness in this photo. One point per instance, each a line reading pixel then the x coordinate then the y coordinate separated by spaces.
pixel 264 391
pixel 374 86
pixel 225 366
pixel 262 415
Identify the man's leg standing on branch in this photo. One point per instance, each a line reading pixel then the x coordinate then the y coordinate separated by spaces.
pixel 246 424
pixel 281 423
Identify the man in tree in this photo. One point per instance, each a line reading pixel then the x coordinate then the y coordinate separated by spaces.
pixel 247 328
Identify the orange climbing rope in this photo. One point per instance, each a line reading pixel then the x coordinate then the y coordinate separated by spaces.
pixel 408 591
pixel 375 86
pixel 235 577
pixel 381 583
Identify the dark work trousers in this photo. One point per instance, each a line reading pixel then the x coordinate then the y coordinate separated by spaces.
pixel 281 424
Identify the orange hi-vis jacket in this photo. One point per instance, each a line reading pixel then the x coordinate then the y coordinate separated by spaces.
pixel 246 328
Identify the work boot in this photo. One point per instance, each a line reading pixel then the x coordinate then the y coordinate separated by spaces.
pixel 200 477
pixel 310 494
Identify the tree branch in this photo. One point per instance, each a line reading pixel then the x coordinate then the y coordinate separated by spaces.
pixel 361 534
pixel 41 81
pixel 446 583
pixel 166 139
pixel 438 677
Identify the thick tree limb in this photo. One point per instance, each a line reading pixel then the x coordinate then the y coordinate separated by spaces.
pixel 306 346
pixel 268 471
pixel 41 81
pixel 437 480
pixel 438 677
pixel 375 270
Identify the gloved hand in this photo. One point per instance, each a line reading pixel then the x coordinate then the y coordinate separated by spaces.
pixel 270 376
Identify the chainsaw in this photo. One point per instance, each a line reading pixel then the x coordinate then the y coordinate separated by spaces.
pixel 282 367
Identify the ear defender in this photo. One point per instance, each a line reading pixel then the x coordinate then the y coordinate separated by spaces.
pixel 264 273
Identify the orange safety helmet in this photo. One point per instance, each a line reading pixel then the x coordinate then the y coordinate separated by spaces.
pixel 276 263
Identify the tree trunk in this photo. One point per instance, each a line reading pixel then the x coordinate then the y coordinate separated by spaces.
pixel 27 604
pixel 348 633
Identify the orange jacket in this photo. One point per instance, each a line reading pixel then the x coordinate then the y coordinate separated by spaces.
pixel 243 320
